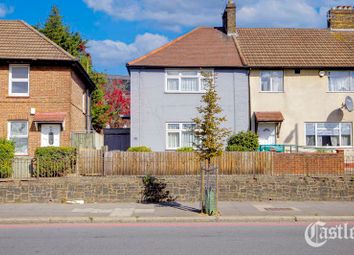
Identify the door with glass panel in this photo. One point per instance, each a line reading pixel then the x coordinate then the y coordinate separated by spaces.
pixel 50 135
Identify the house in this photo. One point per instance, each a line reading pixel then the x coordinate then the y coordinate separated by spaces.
pixel 299 79
pixel 44 91
pixel 288 85
pixel 167 85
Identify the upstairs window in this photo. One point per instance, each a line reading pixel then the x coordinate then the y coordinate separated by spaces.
pixel 19 80
pixel 187 81
pixel 341 81
pixel 272 81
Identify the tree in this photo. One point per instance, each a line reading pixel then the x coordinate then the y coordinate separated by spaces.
pixel 73 43
pixel 118 100
pixel 59 33
pixel 210 137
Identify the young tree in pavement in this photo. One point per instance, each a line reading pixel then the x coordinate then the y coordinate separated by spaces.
pixel 210 136
pixel 72 42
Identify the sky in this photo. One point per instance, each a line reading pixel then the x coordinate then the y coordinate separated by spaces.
pixel 119 31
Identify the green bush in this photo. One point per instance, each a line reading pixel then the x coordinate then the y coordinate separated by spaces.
pixel 54 161
pixel 7 153
pixel 140 149
pixel 186 149
pixel 243 141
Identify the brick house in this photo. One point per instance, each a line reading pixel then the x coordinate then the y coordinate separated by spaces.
pixel 44 91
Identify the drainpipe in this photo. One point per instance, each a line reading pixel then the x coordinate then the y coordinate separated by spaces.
pixel 88 110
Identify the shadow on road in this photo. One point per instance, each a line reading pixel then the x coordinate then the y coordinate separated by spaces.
pixel 179 206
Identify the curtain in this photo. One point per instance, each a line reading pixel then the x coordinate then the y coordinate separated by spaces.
pixel 187 139
pixel 277 81
pixel 172 84
pixel 339 81
pixel 334 140
pixel 173 140
pixel 265 81
pixel 189 84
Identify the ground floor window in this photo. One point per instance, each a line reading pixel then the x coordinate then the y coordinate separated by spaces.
pixel 179 135
pixel 328 134
pixel 18 133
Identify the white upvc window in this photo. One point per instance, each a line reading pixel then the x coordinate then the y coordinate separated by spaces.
pixel 272 81
pixel 328 134
pixel 18 133
pixel 179 135
pixel 185 81
pixel 341 81
pixel 19 80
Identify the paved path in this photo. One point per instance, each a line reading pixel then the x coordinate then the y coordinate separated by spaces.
pixel 191 238
pixel 229 210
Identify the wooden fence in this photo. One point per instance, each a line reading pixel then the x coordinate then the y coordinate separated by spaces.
pixel 98 162
pixel 89 140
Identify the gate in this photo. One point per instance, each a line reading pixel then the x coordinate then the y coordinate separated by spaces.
pixel 117 138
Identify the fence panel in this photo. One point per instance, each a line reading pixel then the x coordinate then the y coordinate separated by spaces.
pixel 90 162
pixel 89 140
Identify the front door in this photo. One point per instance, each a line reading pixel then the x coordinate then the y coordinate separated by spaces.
pixel 266 133
pixel 50 135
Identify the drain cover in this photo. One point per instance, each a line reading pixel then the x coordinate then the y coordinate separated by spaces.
pixel 281 209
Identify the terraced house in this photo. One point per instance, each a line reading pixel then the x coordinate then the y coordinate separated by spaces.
pixel 44 91
pixel 288 85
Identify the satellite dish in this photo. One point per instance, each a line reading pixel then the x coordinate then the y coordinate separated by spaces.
pixel 348 104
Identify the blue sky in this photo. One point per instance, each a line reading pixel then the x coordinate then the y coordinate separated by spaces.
pixel 122 30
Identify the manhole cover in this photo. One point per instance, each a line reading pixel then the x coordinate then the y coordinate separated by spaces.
pixel 278 209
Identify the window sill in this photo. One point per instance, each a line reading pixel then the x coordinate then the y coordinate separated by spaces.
pixel 275 92
pixel 339 92
pixel 16 96
pixel 184 92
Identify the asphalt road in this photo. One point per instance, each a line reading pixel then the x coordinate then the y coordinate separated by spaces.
pixel 145 239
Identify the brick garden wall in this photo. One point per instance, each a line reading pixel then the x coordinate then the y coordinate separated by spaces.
pixel 185 188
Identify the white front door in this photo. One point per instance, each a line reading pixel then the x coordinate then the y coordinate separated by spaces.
pixel 50 135
pixel 266 133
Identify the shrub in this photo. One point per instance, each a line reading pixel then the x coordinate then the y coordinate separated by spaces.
pixel 55 161
pixel 154 191
pixel 243 141
pixel 186 149
pixel 7 153
pixel 140 149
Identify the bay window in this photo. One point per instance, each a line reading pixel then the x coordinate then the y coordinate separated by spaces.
pixel 19 80
pixel 272 81
pixel 187 81
pixel 18 133
pixel 328 134
pixel 341 81
pixel 179 135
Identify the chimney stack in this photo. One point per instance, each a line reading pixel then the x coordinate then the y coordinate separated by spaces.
pixel 341 18
pixel 229 18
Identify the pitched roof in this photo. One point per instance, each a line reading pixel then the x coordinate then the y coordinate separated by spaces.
pixel 18 40
pixel 287 47
pixel 202 47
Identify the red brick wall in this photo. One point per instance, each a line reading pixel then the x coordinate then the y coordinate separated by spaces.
pixel 51 90
pixel 308 163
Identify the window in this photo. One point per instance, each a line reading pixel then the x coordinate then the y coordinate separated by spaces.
pixel 341 81
pixel 19 80
pixel 18 132
pixel 185 81
pixel 272 81
pixel 328 134
pixel 180 135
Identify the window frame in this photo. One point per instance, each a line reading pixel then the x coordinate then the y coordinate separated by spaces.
pixel 18 136
pixel 340 134
pixel 351 81
pixel 179 131
pixel 199 76
pixel 19 80
pixel 271 82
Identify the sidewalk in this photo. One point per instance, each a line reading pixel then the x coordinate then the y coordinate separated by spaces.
pixel 176 212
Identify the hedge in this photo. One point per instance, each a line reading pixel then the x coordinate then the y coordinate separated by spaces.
pixel 139 149
pixel 186 149
pixel 243 141
pixel 7 153
pixel 54 161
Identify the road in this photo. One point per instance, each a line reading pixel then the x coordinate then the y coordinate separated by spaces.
pixel 180 238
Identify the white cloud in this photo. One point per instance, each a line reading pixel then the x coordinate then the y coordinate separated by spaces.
pixel 4 10
pixel 177 14
pixel 108 53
